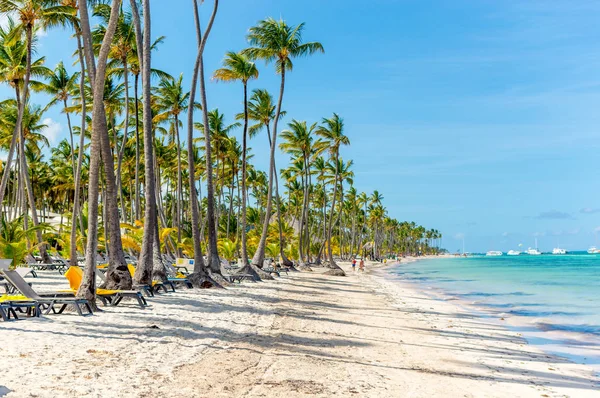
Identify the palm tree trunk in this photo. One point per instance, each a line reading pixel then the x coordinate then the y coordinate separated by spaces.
pixel 214 262
pixel 76 199
pixel 25 168
pixel 259 256
pixel 199 277
pixel 137 149
pixel 88 286
pixel 179 186
pixel 143 272
pixel 70 136
pixel 124 142
pixel 335 269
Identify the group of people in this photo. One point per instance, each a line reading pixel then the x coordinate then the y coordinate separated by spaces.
pixel 361 265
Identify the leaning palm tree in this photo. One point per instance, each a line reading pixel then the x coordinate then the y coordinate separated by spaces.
pixel 276 41
pixel 97 72
pixel 332 132
pixel 32 14
pixel 200 277
pixel 237 67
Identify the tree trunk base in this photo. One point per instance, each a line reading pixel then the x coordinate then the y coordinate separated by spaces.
pixel 335 272
pixel 118 278
pixel 292 268
pixel 202 281
pixel 286 262
pixel 305 268
pixel 219 279
pixel 255 272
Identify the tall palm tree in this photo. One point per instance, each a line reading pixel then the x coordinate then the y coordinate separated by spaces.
pixel 299 141
pixel 170 101
pixel 200 277
pixel 237 67
pixel 143 273
pixel 276 41
pixel 32 14
pixel 262 110
pixel 97 73
pixel 332 132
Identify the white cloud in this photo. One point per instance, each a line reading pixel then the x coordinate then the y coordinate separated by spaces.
pixel 505 234
pixel 597 229
pixel 52 130
pixel 459 236
pixel 539 234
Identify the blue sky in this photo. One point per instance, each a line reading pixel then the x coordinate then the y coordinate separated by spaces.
pixel 478 118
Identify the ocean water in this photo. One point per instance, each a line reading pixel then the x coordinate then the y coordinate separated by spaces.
pixel 554 301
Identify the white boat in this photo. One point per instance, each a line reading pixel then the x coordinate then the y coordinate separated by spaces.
pixel 593 250
pixel 494 253
pixel 558 250
pixel 513 253
pixel 532 252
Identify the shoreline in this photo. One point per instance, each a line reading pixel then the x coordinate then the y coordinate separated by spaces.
pixel 303 334
pixel 569 342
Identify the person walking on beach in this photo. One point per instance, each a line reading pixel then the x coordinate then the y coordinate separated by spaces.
pixel 362 265
pixel 353 265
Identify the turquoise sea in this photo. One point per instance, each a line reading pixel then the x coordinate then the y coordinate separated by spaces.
pixel 554 301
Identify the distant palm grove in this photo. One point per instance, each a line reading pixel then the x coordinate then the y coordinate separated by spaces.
pixel 151 168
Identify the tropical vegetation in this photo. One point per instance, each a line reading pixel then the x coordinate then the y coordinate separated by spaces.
pixel 150 166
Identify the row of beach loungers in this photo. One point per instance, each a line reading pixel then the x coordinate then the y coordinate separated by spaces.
pixel 21 298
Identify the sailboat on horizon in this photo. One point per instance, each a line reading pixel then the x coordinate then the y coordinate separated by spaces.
pixel 533 252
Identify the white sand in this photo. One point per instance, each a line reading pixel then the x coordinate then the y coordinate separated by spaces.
pixel 302 335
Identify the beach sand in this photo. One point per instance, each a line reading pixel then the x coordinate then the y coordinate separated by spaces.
pixel 302 335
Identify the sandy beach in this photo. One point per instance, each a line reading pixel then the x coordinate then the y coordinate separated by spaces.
pixel 302 335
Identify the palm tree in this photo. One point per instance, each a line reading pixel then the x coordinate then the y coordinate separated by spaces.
pixel 200 277
pixel 237 66
pixel 299 141
pixel 262 111
pixel 332 132
pixel 171 100
pixel 32 14
pixel 143 273
pixel 276 41
pixel 97 72
pixel 61 86
pixel 121 55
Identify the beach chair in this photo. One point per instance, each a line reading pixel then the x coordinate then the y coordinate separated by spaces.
pixel 50 303
pixel 108 297
pixel 175 276
pixel 149 290
pixel 6 312
pixel 181 264
pixel 24 271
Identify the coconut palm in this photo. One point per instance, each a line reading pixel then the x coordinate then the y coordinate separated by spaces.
pixel 276 41
pixel 97 72
pixel 237 67
pixel 170 101
pixel 262 111
pixel 332 131
pixel 61 86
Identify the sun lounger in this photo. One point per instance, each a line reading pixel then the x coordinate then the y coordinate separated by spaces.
pixel 24 271
pixel 108 297
pixel 182 264
pixel 150 290
pixel 6 312
pixel 50 303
